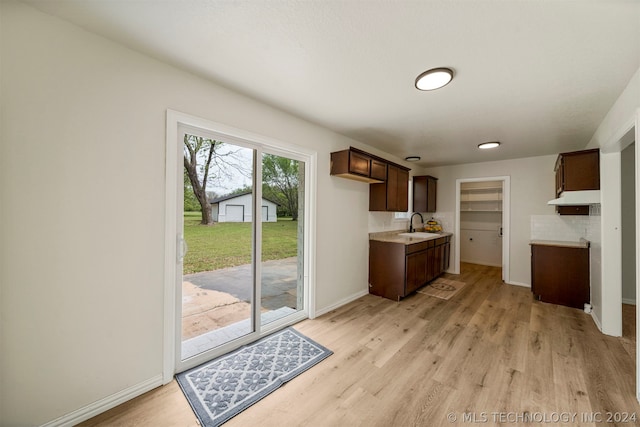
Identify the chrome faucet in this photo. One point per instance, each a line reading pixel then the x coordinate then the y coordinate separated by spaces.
pixel 411 230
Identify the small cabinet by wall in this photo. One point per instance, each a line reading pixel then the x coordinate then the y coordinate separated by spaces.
pixel 425 189
pixel 577 171
pixel 392 195
pixel 560 274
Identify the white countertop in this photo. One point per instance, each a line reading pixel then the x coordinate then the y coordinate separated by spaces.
pixel 394 237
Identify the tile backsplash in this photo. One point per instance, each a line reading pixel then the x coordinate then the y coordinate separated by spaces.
pixel 386 221
pixel 565 227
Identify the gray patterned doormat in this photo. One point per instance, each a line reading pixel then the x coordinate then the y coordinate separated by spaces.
pixel 222 388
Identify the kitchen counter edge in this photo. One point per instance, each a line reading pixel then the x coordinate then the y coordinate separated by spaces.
pixel 394 237
pixel 582 243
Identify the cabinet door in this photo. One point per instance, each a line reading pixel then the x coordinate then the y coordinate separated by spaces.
pixel 402 191
pixel 416 271
pixel 378 170
pixel 581 171
pixel 432 188
pixel 392 188
pixel 431 261
pixel 392 195
pixel 439 255
pixel 359 164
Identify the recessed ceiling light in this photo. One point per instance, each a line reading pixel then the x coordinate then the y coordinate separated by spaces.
pixel 412 158
pixel 487 145
pixel 434 78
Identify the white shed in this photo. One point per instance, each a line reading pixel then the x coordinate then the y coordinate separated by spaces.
pixel 237 208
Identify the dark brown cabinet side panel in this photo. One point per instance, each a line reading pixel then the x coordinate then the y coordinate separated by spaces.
pixel 432 193
pixel 387 269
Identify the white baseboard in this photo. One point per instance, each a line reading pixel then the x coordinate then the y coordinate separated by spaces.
pixel 630 301
pixel 596 320
pixel 105 404
pixel 342 302
pixel 525 285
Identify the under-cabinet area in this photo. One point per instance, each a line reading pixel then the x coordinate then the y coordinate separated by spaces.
pixel 481 222
pixel 399 265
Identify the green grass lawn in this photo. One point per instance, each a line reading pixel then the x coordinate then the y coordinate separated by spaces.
pixel 229 244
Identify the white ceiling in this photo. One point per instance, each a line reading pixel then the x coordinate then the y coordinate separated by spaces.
pixel 539 76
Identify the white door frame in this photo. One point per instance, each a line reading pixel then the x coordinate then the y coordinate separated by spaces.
pixel 610 322
pixel 173 234
pixel 506 220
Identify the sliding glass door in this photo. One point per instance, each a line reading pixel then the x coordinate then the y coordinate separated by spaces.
pixel 242 257
pixel 283 219
pixel 218 275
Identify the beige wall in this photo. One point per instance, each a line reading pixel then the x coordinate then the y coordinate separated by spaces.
pixel 82 182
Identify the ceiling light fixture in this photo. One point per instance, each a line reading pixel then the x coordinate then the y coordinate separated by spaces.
pixel 488 145
pixel 412 158
pixel 434 78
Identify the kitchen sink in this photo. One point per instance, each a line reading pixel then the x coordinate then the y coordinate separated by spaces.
pixel 419 234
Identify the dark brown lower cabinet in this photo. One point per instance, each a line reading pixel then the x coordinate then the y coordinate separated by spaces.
pixel 560 274
pixel 397 269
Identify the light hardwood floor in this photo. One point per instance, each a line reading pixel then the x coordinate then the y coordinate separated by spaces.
pixel 490 351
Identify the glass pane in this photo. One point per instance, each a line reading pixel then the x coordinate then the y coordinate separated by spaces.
pixel 218 283
pixel 282 237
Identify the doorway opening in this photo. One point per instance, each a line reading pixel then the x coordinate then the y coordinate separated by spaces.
pixel 482 223
pixel 628 240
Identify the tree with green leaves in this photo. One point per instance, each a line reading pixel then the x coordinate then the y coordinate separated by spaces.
pixel 280 179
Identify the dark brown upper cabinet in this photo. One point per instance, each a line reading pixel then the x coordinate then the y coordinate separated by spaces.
pixel 392 195
pixel 578 170
pixel 358 165
pixel 425 190
pixel 389 189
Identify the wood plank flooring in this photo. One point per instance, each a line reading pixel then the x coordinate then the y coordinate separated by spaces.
pixel 491 353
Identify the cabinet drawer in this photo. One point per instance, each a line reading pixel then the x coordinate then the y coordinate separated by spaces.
pixel 441 241
pixel 417 247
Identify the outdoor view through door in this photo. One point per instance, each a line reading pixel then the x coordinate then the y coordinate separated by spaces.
pixel 223 276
